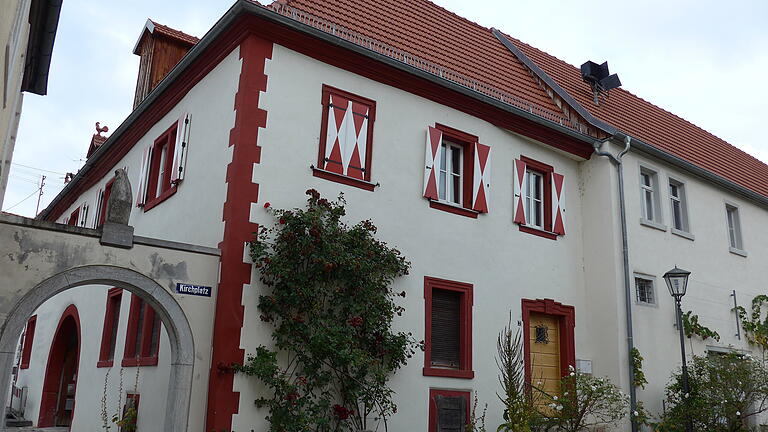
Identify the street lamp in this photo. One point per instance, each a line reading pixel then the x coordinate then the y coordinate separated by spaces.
pixel 677 282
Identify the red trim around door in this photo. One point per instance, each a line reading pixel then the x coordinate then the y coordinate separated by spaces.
pixel 49 398
pixel 567 317
pixel 223 401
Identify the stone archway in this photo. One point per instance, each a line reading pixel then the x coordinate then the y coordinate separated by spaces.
pixel 170 312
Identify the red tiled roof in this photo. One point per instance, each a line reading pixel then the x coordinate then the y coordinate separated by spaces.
pixel 175 34
pixel 656 126
pixel 424 29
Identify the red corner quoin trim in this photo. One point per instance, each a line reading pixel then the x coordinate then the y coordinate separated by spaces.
pixel 241 192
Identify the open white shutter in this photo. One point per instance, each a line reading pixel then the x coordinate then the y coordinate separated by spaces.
pixel 99 205
pixel 181 149
pixel 519 190
pixel 481 182
pixel 558 204
pixel 434 141
pixel 141 193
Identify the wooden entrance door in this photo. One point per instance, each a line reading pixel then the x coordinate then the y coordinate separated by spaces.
pixel 545 356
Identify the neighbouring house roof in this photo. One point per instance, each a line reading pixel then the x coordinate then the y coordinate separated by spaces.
pixel 155 27
pixel 427 30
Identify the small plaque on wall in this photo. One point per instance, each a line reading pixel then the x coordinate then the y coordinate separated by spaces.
pixel 196 290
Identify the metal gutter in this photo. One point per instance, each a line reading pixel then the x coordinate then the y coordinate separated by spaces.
pixel 44 20
pixel 247 6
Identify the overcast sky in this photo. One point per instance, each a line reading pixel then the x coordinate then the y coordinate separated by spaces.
pixel 703 60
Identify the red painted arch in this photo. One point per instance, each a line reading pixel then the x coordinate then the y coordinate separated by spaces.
pixel 69 323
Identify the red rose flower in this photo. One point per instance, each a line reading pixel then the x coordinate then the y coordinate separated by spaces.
pixel 282 221
pixel 267 205
pixel 355 321
pixel 341 412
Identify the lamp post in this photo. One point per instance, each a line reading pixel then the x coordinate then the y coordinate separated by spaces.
pixel 677 282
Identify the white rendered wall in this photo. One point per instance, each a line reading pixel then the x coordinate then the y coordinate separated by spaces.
pixel 504 264
pixel 715 270
pixel 152 380
pixel 192 215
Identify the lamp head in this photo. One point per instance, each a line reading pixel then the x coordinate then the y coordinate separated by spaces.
pixel 677 282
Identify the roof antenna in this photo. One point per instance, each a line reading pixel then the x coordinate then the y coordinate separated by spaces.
pixel 599 78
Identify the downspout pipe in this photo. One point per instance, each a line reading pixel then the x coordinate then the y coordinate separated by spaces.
pixel 617 162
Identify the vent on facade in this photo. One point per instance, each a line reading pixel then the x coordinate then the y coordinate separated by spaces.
pixel 160 48
pixel 599 78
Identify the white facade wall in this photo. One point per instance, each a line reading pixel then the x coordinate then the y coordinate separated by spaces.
pixel 582 268
pixel 504 264
pixel 152 380
pixel 192 215
pixel 715 271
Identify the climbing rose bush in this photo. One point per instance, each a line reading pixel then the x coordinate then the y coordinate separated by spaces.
pixel 330 305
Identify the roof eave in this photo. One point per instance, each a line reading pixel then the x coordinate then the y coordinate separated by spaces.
pixel 44 21
pixel 246 6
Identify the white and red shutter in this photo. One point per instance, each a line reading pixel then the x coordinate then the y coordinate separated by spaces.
pixel 519 191
pixel 336 134
pixel 180 150
pixel 432 151
pixel 83 215
pixel 558 204
pixel 356 122
pixel 481 183
pixel 141 193
pixel 99 205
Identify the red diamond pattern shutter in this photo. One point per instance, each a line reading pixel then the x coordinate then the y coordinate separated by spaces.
pixel 336 138
pixel 558 204
pixel 434 141
pixel 357 140
pixel 141 193
pixel 481 183
pixel 180 149
pixel 519 191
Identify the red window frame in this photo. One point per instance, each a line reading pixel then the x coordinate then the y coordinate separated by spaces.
pixel 467 142
pixel 166 140
pixel 465 338
pixel 433 393
pixel 109 331
pixel 546 171
pixel 141 337
pixel 135 398
pixel 104 199
pixel 320 170
pixel 73 217
pixel 566 316
pixel 29 339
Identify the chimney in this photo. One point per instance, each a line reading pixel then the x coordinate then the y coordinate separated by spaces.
pixel 160 49
pixel 96 141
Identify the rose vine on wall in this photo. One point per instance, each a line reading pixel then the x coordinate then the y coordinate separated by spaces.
pixel 755 328
pixel 330 306
pixel 691 326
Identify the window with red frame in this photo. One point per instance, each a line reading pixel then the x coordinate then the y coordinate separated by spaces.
pixel 131 401
pixel 539 198
pixel 73 218
pixel 111 324
pixel 159 166
pixel 103 203
pixel 29 338
pixel 448 410
pixel 457 171
pixel 448 329
pixel 346 138
pixel 142 339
